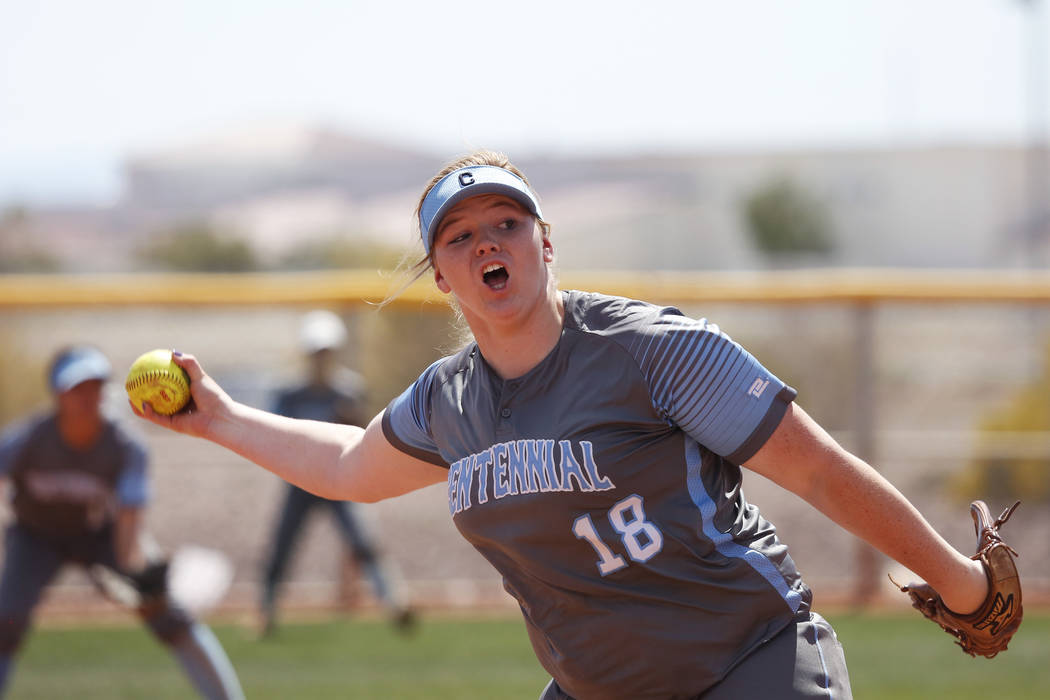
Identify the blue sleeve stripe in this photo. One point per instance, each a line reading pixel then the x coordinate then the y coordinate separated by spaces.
pixel 728 381
pixel 674 366
pixel 718 403
pixel 704 357
pixel 662 364
pixel 637 342
pixel 707 403
pixel 709 417
pixel 706 387
pixel 640 344
pixel 662 368
pixel 665 369
pixel 728 414
pixel 702 381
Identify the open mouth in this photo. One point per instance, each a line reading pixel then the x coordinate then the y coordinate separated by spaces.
pixel 495 275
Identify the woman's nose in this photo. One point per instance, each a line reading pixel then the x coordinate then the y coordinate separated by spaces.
pixel 486 244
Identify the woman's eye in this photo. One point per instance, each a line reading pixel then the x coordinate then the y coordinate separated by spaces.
pixel 461 237
pixel 508 224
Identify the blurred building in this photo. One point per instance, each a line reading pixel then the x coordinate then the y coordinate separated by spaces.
pixel 949 206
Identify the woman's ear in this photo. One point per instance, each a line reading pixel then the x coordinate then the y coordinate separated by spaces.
pixel 439 280
pixel 548 248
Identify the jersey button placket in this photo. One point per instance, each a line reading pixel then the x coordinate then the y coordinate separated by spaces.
pixel 508 389
pixel 505 428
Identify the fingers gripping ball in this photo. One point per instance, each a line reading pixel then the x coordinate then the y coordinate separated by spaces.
pixel 154 378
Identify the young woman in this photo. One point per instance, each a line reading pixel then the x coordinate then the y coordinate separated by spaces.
pixel 592 448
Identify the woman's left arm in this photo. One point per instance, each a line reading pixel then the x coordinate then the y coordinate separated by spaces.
pixel 801 457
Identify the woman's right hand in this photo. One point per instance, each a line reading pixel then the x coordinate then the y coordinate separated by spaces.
pixel 207 402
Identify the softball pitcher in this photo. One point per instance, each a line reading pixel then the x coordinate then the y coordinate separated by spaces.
pixel 592 448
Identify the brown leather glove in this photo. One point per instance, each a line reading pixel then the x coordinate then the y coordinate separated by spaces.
pixel 987 630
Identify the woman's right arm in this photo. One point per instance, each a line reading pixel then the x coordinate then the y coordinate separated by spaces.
pixel 335 461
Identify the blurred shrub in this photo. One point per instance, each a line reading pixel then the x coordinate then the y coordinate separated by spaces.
pixel 783 218
pixel 1009 477
pixel 22 385
pixel 196 247
pixel 28 261
pixel 339 253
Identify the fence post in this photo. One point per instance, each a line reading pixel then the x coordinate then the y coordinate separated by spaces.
pixel 867 562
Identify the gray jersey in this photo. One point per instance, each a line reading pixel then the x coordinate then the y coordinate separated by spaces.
pixel 59 491
pixel 604 487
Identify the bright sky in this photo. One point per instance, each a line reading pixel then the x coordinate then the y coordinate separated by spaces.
pixel 85 84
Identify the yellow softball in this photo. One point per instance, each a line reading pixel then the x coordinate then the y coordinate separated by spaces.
pixel 155 379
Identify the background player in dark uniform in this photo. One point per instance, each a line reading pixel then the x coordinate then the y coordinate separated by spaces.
pixel 79 486
pixel 592 449
pixel 334 394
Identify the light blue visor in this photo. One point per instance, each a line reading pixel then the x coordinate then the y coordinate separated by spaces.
pixel 470 182
pixel 78 365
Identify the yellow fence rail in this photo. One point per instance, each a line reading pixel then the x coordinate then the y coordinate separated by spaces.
pixel 856 286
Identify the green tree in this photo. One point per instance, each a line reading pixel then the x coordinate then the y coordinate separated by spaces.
pixel 28 261
pixel 783 218
pixel 196 247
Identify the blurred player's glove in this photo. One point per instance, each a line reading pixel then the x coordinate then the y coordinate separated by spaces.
pixel 987 630
pixel 152 581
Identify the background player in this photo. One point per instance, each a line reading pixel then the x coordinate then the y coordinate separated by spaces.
pixel 592 446
pixel 332 393
pixel 79 485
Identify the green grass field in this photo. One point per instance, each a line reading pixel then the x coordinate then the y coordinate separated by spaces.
pixel 895 656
